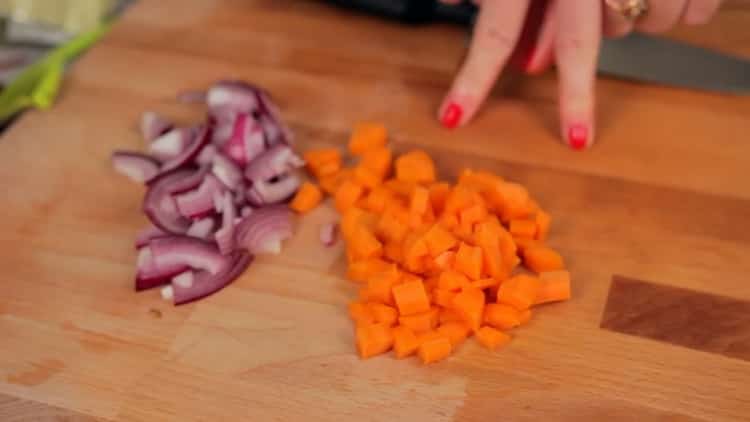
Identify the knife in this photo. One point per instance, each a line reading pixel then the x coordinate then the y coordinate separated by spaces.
pixel 637 57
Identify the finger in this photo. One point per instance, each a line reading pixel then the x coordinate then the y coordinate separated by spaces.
pixel 615 24
pixel 700 12
pixel 542 55
pixel 661 16
pixel 579 30
pixel 450 1
pixel 495 36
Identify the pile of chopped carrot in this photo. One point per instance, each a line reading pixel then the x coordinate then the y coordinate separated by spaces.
pixel 437 262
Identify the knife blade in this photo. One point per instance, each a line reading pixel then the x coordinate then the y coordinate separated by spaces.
pixel 637 57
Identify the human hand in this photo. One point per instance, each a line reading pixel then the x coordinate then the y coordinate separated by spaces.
pixel 569 35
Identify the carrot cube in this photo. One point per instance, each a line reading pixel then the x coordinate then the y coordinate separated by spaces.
pixel 492 338
pixel 411 298
pixel 373 339
pixel 367 136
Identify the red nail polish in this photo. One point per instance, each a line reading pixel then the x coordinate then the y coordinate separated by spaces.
pixel 451 115
pixel 578 136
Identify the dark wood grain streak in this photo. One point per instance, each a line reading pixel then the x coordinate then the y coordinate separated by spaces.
pixel 683 317
pixel 13 409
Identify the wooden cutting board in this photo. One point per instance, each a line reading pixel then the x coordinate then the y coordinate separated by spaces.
pixel 662 198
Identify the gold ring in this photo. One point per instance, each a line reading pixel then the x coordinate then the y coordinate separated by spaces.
pixel 629 9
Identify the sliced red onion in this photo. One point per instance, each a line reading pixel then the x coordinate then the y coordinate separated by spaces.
pixel 146 235
pixel 138 167
pixel 247 141
pixel 274 162
pixel 205 283
pixel 223 119
pixel 192 97
pixel 154 125
pixel 225 235
pixel 170 252
pixel 266 193
pixel 200 202
pixel 159 205
pixel 240 195
pixel 329 234
pixel 270 118
pixel 227 171
pixel 245 211
pixel 206 156
pixel 265 229
pixel 148 275
pixel 167 293
pixel 235 95
pixel 201 139
pixel 184 280
pixel 171 144
pixel 202 229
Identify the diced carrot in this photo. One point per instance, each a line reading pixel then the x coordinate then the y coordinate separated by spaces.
pixel 380 286
pixel 414 251
pixel 377 199
pixel 378 160
pixel 391 228
pixel 443 297
pixel 367 136
pixel 407 277
pixel 353 218
pixel 508 250
pixel 456 332
pixel 421 322
pixel 393 252
pixel 452 281
pixel 445 260
pixel 463 233
pixel 399 187
pixel 469 304
pixel 415 166
pixel 524 316
pixel 383 313
pixel 543 223
pixel 360 271
pixel 555 287
pixel 469 261
pixel 484 283
pixel 449 221
pixel 405 342
pixel 492 338
pixel 480 181
pixel 542 259
pixel 449 315
pixel 523 228
pixel 519 292
pixel 510 200
pixel 331 183
pixel 411 298
pixel 360 313
pixel 523 243
pixel 501 316
pixel 364 244
pixel 373 339
pixel 472 215
pixel 419 206
pixel 347 195
pixel 308 197
pixel 435 350
pixel 366 177
pixel 438 195
pixel 459 199
pixel 439 240
pixel 323 162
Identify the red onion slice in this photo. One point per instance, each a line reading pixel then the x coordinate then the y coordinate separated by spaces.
pixel 246 210
pixel 187 156
pixel 275 161
pixel 184 280
pixel 146 235
pixel 138 167
pixel 202 229
pixel 154 125
pixel 225 235
pixel 159 206
pixel 227 171
pixel 234 95
pixel 200 202
pixel 264 229
pixel 270 118
pixel 329 234
pixel 266 193
pixel 206 156
pixel 171 144
pixel 148 275
pixel 205 283
pixel 170 252
pixel 247 141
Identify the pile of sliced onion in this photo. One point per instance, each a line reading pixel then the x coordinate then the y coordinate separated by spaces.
pixel 214 191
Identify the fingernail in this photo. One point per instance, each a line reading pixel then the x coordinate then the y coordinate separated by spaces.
pixel 578 135
pixel 452 115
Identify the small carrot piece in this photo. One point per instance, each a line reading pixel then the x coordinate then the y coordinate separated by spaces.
pixel 377 199
pixel 414 252
pixel 492 338
pixel 373 339
pixel 308 197
pixel 367 136
pixel 459 199
pixel 501 316
pixel 378 160
pixel 456 332
pixel 415 166
pixel 379 286
pixel 405 342
pixel 519 292
pixel 421 322
pixel 366 177
pixel 360 313
pixel 438 195
pixel 523 228
pixel 472 215
pixel 360 271
pixel 484 283
pixel 449 315
pixel 323 162
pixel 364 244
pixel 331 182
pixel 439 240
pixel 419 206
pixel 435 349
pixel 524 316
pixel 555 287
pixel 391 228
pixel 445 260
pixel 443 297
pixel 524 243
pixel 469 261
pixel 452 281
pixel 394 252
pixel 411 298
pixel 347 194
pixel 543 223
pixel 542 259
pixel 469 304
pixel 384 314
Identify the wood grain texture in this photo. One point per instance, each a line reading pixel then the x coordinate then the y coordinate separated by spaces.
pixel 663 196
pixel 684 317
